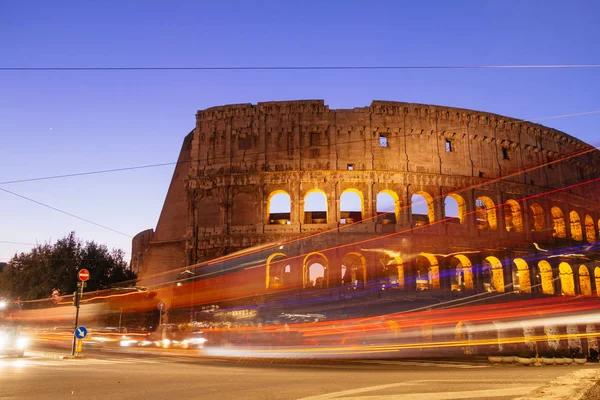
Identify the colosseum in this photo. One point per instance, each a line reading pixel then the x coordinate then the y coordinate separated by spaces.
pixel 396 195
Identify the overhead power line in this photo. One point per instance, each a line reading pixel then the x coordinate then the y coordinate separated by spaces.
pixel 64 212
pixel 247 154
pixel 301 67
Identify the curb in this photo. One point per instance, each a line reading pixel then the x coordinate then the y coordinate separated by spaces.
pixel 53 356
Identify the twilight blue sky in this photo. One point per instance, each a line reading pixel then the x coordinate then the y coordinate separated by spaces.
pixel 64 122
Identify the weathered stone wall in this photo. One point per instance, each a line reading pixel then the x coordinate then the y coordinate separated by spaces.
pixel 237 155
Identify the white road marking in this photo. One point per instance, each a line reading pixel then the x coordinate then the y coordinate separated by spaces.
pixel 467 394
pixel 424 364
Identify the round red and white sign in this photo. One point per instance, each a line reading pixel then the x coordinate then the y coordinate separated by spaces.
pixel 83 275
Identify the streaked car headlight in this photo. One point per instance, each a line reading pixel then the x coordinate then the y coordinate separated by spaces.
pixel 22 343
pixel 127 343
pixel 3 342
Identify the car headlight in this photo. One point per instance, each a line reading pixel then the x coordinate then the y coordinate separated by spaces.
pixel 22 343
pixel 3 341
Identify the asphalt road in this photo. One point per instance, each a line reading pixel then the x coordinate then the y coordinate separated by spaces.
pixel 134 376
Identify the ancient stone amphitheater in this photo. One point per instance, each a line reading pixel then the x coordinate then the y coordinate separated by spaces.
pixel 408 196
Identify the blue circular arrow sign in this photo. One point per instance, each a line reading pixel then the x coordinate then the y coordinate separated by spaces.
pixel 80 332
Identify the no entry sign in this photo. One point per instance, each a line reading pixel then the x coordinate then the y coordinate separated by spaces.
pixel 84 275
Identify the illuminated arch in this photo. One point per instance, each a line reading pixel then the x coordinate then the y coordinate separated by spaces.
pixel 388 207
pixel 313 259
pixel 393 270
pixel 513 217
pixel 597 280
pixel 494 266
pixel 521 276
pixel 590 230
pixel 585 284
pixel 269 279
pixel 485 211
pixel 558 223
pixel 279 207
pixel 315 207
pixel 455 207
pixel 546 277
pixel 567 283
pixel 427 271
pixel 352 206
pixel 354 269
pixel 417 201
pixel 463 271
pixel 537 217
pixel 575 221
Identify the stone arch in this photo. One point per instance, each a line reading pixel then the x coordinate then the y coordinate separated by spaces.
pixel 558 223
pixel 243 209
pixel 279 207
pixel 422 209
pixel 455 207
pixel 485 212
pixel 388 207
pixel 209 212
pixel 463 273
pixel 585 284
pixel 273 275
pixel 597 280
pixel 354 269
pixel 393 270
pixel 315 207
pixel 567 282
pixel 546 276
pixel 536 213
pixel 590 230
pixel 315 259
pixel 352 206
pixel 495 281
pixel 513 217
pixel 575 222
pixel 521 276
pixel 427 272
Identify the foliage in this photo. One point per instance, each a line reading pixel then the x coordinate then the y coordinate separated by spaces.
pixel 35 274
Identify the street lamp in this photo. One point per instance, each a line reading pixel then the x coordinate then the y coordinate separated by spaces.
pixel 188 272
pixel 2 304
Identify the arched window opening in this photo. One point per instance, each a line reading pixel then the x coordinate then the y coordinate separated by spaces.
pixel 597 280
pixel 275 271
pixel 493 275
pixel 485 212
pixel 512 216
pixel 521 276
pixel 315 271
pixel 351 206
pixel 427 272
pixel 567 283
pixel 388 207
pixel 421 205
pixel 393 272
pixel 576 232
pixel 590 231
pixel 558 223
pixel 280 207
pixel 455 208
pixel 315 207
pixel 585 284
pixel 354 270
pixel 546 276
pixel 462 276
pixel 536 215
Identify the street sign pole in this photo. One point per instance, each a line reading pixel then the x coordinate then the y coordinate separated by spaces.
pixel 83 276
pixel 79 294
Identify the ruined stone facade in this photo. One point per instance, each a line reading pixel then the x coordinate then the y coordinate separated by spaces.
pixel 239 156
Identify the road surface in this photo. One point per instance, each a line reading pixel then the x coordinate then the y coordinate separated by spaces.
pixel 135 376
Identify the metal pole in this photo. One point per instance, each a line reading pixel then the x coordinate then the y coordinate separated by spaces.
pixel 80 295
pixel 120 316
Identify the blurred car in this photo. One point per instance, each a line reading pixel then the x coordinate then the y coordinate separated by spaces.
pixel 176 336
pixel 12 343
